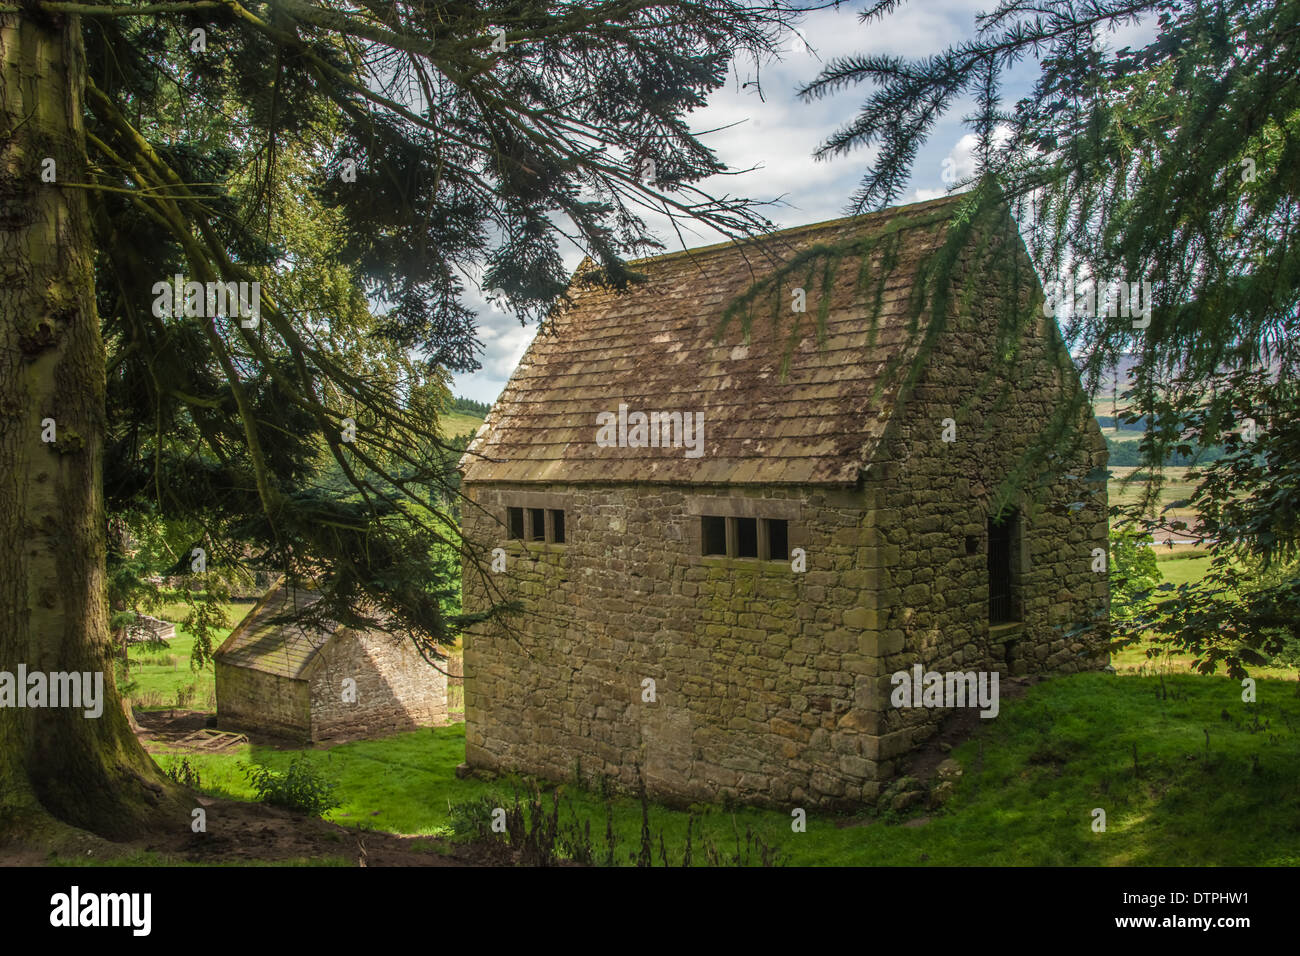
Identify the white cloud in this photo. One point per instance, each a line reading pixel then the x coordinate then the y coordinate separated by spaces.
pixel 506 347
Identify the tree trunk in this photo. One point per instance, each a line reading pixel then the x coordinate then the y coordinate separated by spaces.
pixel 57 766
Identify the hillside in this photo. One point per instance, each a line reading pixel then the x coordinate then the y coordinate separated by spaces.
pixel 455 424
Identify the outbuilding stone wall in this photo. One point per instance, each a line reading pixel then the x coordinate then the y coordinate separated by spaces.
pixel 395 688
pixel 257 702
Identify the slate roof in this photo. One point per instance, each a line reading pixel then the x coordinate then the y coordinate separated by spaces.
pixel 285 650
pixel 653 348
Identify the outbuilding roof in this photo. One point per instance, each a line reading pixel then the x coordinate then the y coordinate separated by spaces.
pixel 657 348
pixel 284 649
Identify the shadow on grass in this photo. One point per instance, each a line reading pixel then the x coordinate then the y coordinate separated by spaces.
pixel 1134 747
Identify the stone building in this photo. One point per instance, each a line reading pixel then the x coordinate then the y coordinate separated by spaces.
pixel 290 680
pixel 724 561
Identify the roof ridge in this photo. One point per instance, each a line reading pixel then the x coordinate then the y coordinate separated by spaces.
pixel 884 214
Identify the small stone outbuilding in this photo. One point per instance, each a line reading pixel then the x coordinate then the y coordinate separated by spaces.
pixel 309 684
pixel 728 544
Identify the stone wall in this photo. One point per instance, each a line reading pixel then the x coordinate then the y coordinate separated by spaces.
pixel 257 702
pixel 743 653
pixel 927 500
pixel 395 688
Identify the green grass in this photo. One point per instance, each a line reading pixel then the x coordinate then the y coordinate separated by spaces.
pixel 401 784
pixel 163 676
pixel 1182 566
pixel 1033 777
pixel 452 424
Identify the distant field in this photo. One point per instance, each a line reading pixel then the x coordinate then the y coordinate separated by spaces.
pixel 1182 565
pixel 163 676
pixel 453 424
pixel 1176 487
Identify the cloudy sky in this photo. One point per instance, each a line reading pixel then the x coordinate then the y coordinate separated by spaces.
pixel 778 133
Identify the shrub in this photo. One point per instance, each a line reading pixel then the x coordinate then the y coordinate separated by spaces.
pixel 300 787
pixel 1134 571
pixel 184 774
pixel 1289 655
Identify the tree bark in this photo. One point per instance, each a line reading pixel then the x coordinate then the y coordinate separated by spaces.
pixel 58 768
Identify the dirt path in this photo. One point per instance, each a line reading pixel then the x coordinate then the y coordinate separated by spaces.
pixel 242 833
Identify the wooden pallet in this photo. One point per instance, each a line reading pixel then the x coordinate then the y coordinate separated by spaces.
pixel 213 741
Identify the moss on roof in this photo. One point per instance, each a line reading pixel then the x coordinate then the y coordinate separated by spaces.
pixel 784 396
pixel 284 649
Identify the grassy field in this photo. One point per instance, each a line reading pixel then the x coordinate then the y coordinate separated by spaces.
pixel 1186 773
pixel 163 676
pixel 455 423
pixel 1179 563
pixel 1180 566
pixel 1123 491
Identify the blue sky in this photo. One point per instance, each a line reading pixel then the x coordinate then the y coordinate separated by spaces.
pixel 778 133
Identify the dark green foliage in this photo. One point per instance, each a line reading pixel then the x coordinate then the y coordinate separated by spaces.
pixel 1123 454
pixel 1248 498
pixel 468 406
pixel 300 787
pixel 1247 609
pixel 1289 653
pixel 1128 454
pixel 358 162
pixel 206 616
pixel 1177 163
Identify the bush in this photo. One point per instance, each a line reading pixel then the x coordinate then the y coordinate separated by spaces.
pixel 301 787
pixel 1280 644
pixel 1289 655
pixel 1134 571
pixel 185 775
pixel 1128 454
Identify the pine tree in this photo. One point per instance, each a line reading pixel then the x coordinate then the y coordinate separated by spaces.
pixel 1178 164
pixel 141 141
